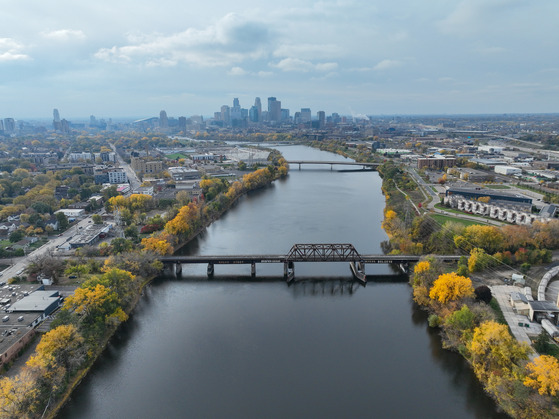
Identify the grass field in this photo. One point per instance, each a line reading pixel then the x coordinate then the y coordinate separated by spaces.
pixel 441 219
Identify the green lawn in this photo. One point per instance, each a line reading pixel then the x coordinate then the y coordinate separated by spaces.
pixel 441 219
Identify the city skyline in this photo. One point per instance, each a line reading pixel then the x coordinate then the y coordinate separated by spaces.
pixel 134 59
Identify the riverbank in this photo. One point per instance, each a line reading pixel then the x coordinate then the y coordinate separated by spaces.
pixel 211 216
pixel 463 315
pixel 98 308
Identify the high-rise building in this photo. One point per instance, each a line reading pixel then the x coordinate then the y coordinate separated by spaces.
pixel 253 114
pixel 182 123
pixel 258 106
pixel 274 109
pixel 321 119
pixel 64 126
pixel 1 126
pixel 285 114
pixel 236 114
pixel 163 120
pixel 226 114
pixel 56 125
pixel 306 115
pixel 270 101
pixel 9 125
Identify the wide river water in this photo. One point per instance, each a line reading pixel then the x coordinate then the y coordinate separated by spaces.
pixel 232 347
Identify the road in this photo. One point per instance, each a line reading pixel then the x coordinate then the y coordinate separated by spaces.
pixel 48 248
pixel 435 200
pixel 132 177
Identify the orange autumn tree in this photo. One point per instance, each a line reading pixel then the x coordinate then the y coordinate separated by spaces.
pixel 451 287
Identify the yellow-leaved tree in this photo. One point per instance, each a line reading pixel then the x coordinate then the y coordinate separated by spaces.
pixel 60 347
pixel 451 287
pixel 543 375
pixel 18 395
pixel 494 352
pixel 158 244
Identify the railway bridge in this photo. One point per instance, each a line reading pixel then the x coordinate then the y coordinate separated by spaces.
pixel 317 252
pixel 364 166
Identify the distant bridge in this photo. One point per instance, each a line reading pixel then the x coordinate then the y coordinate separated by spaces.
pixel 367 166
pixel 302 253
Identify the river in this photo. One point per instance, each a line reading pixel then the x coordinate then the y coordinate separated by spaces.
pixel 232 347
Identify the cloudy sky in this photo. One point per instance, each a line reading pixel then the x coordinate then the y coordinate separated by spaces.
pixel 133 58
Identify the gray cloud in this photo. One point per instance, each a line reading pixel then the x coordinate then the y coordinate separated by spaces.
pixel 230 40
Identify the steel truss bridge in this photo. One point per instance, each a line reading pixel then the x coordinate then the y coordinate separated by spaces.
pixel 367 166
pixel 330 252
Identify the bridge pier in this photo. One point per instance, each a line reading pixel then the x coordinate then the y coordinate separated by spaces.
pixel 178 269
pixel 253 269
pixel 404 267
pixel 289 271
pixel 358 271
pixel 210 270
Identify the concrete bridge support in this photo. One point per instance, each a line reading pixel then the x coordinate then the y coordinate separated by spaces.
pixel 253 269
pixel 404 267
pixel 210 270
pixel 178 269
pixel 358 271
pixel 289 271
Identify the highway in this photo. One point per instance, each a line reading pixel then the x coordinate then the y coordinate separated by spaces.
pixel 48 248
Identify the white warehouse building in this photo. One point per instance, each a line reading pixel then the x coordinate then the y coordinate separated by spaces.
pixel 508 170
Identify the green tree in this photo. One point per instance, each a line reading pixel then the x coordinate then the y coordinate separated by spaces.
pixel 97 219
pixel 62 221
pixel 17 236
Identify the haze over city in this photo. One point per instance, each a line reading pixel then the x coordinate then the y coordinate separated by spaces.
pixel 131 59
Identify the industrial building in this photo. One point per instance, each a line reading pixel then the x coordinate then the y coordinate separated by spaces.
pixel 24 307
pixel 508 170
pixel 183 173
pixel 492 194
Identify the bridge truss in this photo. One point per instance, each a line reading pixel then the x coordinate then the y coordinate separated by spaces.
pixel 323 252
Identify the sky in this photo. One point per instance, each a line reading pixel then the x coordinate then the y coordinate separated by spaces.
pixel 133 58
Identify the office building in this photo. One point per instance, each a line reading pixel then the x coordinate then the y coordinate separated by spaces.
pixel 9 125
pixel 306 115
pixel 321 115
pixel 258 106
pixel 163 120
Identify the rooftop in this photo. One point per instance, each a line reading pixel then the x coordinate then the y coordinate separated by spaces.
pixel 36 301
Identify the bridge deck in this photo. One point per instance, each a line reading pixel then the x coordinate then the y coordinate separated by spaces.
pixel 343 163
pixel 248 259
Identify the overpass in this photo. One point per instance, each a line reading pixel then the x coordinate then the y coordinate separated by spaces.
pixel 330 252
pixel 365 166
